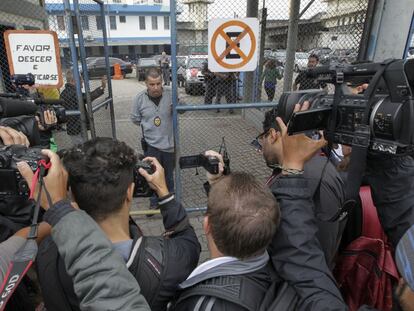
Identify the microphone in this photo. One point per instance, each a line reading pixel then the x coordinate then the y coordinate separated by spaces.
pixel 15 107
pixel 49 102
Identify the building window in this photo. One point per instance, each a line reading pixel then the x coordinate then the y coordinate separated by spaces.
pixel 166 23
pixel 61 22
pixel 142 22
pixel 144 49
pixel 154 21
pixel 122 19
pixel 157 1
pixel 85 22
pixel 112 22
pixel 98 22
pixel 156 49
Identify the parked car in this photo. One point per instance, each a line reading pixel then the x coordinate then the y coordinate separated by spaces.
pixel 194 79
pixel 280 57
pixel 323 54
pixel 410 53
pixel 97 66
pixel 301 61
pixel 143 65
pixel 343 56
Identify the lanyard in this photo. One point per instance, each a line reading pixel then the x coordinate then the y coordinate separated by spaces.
pixel 25 256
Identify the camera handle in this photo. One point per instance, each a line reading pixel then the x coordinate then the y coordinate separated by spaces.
pixel 360 143
pixel 225 155
pixel 26 255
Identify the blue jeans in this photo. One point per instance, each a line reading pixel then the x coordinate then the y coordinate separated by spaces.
pixel 167 161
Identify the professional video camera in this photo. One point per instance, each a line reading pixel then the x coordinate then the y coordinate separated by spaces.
pixel 43 104
pixel 11 182
pixel 18 112
pixel 142 189
pixel 381 118
pixel 210 164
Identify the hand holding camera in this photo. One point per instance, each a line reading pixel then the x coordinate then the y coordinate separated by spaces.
pixel 156 180
pixel 10 136
pixel 213 178
pixel 299 148
pixel 55 181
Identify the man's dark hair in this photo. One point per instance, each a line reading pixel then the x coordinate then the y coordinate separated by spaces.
pixel 315 56
pixel 243 215
pixel 100 172
pixel 153 73
pixel 270 120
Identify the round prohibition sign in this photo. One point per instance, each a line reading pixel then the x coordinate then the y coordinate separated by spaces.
pixel 233 44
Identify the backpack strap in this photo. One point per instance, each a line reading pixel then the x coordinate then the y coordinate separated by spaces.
pixel 371 226
pixel 237 289
pixel 146 263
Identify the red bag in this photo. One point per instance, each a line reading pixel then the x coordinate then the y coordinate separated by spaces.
pixel 366 271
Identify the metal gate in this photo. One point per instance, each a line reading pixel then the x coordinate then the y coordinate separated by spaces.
pixel 290 31
pixel 81 30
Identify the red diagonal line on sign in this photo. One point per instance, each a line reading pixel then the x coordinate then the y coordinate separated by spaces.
pixel 233 44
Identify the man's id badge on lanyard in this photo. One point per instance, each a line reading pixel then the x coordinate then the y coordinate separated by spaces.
pixel 157 121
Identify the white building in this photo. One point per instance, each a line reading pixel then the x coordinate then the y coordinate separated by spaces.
pixel 344 22
pixel 135 28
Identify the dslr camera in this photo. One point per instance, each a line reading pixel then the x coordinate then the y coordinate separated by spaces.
pixel 11 182
pixel 142 188
pixel 382 118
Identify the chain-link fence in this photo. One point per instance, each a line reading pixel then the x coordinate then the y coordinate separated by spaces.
pixel 328 31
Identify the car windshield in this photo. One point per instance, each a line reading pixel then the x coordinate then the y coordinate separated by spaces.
pixel 196 62
pixel 114 60
pixel 147 62
pixel 302 55
pixel 181 61
pixel 280 54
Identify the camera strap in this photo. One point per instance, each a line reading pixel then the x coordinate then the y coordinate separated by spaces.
pixel 25 256
pixel 360 145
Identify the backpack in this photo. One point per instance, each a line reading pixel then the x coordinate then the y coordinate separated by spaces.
pixel 243 291
pixel 366 270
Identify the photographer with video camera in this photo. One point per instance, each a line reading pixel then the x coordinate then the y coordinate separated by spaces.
pixel 102 173
pixel 325 185
pixel 48 115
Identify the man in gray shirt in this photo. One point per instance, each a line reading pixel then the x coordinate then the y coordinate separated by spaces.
pixel 165 68
pixel 152 110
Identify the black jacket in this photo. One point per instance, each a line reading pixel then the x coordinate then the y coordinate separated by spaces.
pixel 70 102
pixel 327 190
pixel 158 280
pixel 392 184
pixel 295 250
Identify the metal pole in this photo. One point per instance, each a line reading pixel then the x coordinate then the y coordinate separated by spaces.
pixel 176 128
pixel 261 52
pixel 306 8
pixel 84 71
pixel 369 19
pixel 108 70
pixel 252 11
pixel 291 44
pixel 76 75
